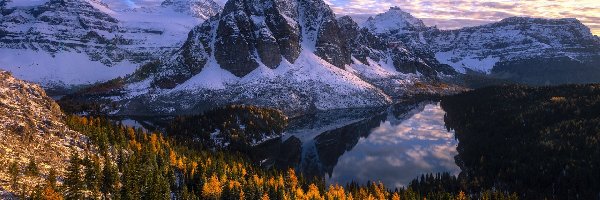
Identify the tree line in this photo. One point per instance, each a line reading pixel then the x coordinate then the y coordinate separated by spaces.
pixel 128 163
pixel 541 142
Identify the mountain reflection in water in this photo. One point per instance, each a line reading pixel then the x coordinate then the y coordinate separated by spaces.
pixel 393 146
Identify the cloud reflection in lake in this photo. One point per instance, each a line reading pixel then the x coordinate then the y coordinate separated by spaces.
pixel 395 154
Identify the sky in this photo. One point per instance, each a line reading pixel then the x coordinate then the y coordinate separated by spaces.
pixel 452 14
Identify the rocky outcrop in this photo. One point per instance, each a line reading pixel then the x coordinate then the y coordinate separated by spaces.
pixel 365 44
pixel 249 34
pixel 202 9
pixel 32 127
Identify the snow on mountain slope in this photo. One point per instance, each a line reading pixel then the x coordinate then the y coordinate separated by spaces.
pixel 522 49
pixel 308 84
pixel 395 20
pixel 294 55
pixel 62 68
pixel 88 41
pixel 481 48
pixel 23 3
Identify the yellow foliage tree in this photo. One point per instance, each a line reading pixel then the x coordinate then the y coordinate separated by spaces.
pixel 313 193
pixel 461 196
pixel 51 194
pixel 335 192
pixel 212 188
pixel 293 180
pixel 172 158
pixel 265 196
pixel 395 196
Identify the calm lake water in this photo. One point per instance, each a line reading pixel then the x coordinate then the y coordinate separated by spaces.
pixel 393 146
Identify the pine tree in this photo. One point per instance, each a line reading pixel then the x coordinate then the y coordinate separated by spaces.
pixel 110 179
pixel 73 181
pixel 14 172
pixel 92 175
pixel 51 180
pixel 32 169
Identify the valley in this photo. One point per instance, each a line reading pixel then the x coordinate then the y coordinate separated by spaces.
pixel 290 99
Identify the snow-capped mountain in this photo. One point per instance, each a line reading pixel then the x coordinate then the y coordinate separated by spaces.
pixel 66 43
pixel 288 54
pixel 529 50
pixel 394 21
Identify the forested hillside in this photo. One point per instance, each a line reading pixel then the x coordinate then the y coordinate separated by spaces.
pixel 542 142
pixel 134 164
pixel 231 127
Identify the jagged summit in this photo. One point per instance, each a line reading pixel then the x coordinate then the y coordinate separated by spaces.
pixel 394 20
pixel 512 48
pixel 249 34
pixel 289 54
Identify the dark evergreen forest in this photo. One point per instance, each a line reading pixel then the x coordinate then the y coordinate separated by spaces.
pixel 541 142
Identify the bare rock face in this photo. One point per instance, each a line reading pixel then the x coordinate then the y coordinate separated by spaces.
pixel 331 47
pixel 251 33
pixel 320 29
pixel 364 43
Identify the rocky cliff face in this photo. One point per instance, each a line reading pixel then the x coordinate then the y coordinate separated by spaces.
pixel 249 34
pixel 289 54
pixel 365 44
pixel 60 42
pixel 202 9
pixel 32 127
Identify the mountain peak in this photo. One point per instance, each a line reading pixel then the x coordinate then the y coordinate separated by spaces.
pixel 198 8
pixel 394 20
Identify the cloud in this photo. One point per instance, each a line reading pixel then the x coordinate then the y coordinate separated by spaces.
pixel 453 14
pixel 396 154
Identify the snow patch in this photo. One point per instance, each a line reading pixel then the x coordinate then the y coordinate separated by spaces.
pixel 460 63
pixel 68 68
pixel 25 3
pixel 212 77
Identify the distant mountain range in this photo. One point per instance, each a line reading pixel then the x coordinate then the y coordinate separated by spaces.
pixel 295 55
pixel 525 50
pixel 74 42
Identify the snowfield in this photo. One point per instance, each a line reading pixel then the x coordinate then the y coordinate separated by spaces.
pixel 61 69
pixel 90 41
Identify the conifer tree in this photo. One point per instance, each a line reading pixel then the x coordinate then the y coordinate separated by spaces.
pixel 51 179
pixel 110 178
pixel 14 172
pixel 32 169
pixel 92 175
pixel 73 182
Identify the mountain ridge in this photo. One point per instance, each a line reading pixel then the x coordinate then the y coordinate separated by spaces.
pixel 506 48
pixel 293 55
pixel 86 41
